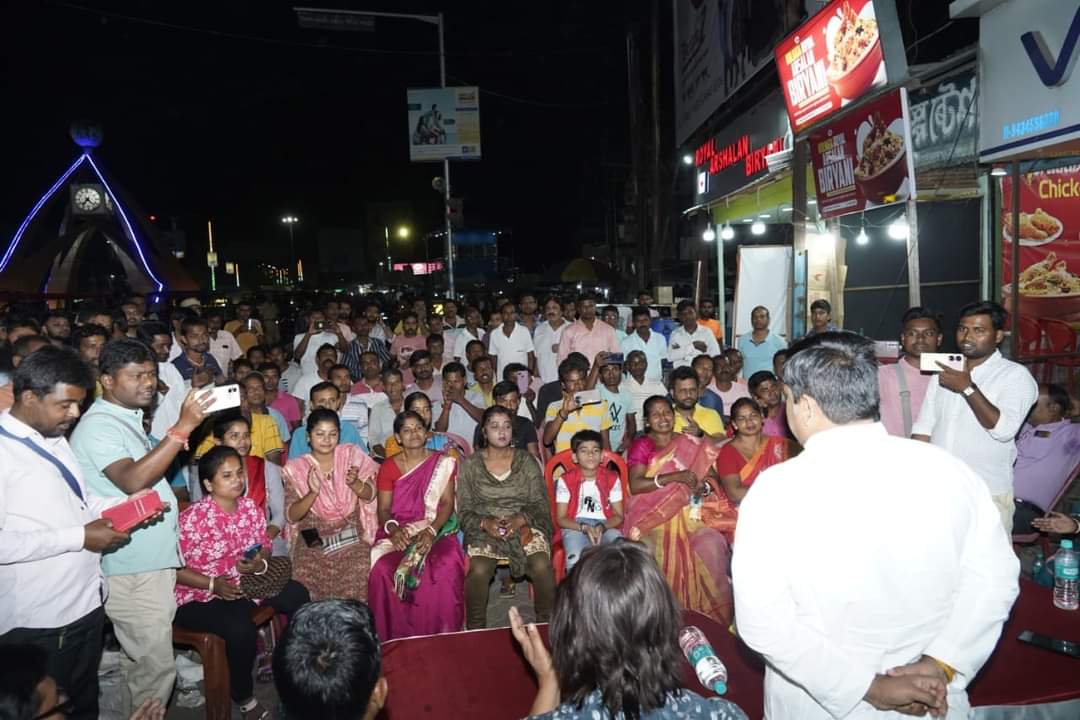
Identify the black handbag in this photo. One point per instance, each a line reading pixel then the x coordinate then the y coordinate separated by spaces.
pixel 269 583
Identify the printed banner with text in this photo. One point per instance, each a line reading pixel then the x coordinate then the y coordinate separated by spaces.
pixel 862 160
pixel 1049 243
pixel 831 60
pixel 444 123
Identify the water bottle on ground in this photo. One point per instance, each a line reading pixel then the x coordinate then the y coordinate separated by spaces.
pixel 1066 577
pixel 710 670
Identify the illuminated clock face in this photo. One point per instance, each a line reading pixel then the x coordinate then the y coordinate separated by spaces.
pixel 87 199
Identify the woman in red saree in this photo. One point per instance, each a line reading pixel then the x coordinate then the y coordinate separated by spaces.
pixel 417 582
pixel 740 462
pixel 667 478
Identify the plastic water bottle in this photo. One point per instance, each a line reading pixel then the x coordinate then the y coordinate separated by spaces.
pixel 1037 565
pixel 1066 577
pixel 710 670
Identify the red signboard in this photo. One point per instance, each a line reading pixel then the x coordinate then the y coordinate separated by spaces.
pixel 830 61
pixel 863 159
pixel 1049 243
pixel 419 268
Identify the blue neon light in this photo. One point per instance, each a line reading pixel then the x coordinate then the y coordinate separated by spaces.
pixel 34 211
pixel 127 224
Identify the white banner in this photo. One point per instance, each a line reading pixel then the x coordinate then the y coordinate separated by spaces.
pixel 764 279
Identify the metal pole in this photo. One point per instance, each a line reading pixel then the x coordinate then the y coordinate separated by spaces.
pixel 721 312
pixel 1014 280
pixel 450 292
pixel 386 233
pixel 292 250
pixel 914 276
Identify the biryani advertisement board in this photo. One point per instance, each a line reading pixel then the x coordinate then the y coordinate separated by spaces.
pixel 862 159
pixel 1049 243
pixel 835 58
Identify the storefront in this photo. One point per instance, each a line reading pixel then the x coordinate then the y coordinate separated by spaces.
pixel 1029 128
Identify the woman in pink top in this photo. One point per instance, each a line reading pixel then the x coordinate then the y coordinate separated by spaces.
pixel 216 535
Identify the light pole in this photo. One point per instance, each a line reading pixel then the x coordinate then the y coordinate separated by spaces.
pixel 437 21
pixel 403 233
pixel 289 221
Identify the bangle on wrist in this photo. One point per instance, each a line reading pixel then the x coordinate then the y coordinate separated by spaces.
pixel 266 567
pixel 945 668
pixel 656 482
pixel 177 436
pixel 386 526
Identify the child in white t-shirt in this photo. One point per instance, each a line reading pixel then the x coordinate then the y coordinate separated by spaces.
pixel 588 498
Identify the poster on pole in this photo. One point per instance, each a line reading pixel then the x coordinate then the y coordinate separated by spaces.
pixel 1049 243
pixel 863 159
pixel 444 123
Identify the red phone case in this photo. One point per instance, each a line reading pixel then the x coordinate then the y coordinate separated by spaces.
pixel 128 514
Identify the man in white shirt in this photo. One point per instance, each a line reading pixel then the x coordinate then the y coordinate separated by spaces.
pixel 223 345
pixel 645 340
pixel 976 413
pixel 51 531
pixel 546 341
pixel 326 358
pixel 691 339
pixel 470 331
pixel 903 384
pixel 906 620
pixel 455 412
pixel 332 310
pixel 640 387
pixel 511 342
pixel 172 389
pixel 318 333
pixel 379 331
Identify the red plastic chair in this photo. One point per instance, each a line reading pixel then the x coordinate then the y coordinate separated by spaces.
pixel 565 460
pixel 1061 338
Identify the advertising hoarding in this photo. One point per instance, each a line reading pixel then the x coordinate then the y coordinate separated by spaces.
pixel 444 123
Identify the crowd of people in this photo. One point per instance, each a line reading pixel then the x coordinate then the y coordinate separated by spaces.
pixel 393 455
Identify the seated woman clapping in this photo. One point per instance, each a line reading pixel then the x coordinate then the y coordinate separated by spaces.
pixel 417 565
pixel 222 538
pixel 330 508
pixel 503 509
pixel 614 645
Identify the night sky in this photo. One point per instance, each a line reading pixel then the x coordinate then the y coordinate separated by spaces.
pixel 231 111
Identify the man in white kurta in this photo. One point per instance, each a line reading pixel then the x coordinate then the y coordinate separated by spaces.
pixel 865 553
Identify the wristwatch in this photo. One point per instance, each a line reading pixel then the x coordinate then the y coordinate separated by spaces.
pixel 969 390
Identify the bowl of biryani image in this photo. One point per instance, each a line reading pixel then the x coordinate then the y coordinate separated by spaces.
pixel 1037 228
pixel 882 164
pixel 854 51
pixel 1047 289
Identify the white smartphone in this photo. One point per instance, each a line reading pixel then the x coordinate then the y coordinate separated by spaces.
pixel 226 397
pixel 587 397
pixel 928 362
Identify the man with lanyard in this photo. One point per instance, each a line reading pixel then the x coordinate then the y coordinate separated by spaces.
pixel 118 460
pixel 902 384
pixel 51 531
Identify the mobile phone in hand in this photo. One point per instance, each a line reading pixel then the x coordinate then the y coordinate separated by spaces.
pixel 225 397
pixel 928 362
pixel 522 378
pixel 587 397
pixel 252 551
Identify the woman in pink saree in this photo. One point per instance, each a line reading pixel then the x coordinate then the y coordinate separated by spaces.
pixel 667 478
pixel 330 508
pixel 417 583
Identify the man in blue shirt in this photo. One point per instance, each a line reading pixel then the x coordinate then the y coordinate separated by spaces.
pixel 759 345
pixel 196 365
pixel 326 395
pixel 118 460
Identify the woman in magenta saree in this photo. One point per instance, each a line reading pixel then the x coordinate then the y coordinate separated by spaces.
pixel 667 477
pixel 417 582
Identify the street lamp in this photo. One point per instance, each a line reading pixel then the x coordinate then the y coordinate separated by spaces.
pixel 289 221
pixel 402 232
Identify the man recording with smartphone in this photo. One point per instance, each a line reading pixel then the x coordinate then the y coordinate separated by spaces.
pixel 976 412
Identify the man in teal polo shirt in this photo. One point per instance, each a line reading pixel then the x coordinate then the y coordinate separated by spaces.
pixel 759 345
pixel 117 459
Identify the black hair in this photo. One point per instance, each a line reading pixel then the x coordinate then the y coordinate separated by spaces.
pixel 986 307
pixel 683 304
pixel 614 628
pixel 81 332
pixel 242 361
pixel 389 372
pixel 452 368
pixel 584 436
pixel 56 314
pixel 479 359
pixel 257 348
pixel 414 397
pixel 504 388
pixel 401 417
pixel 435 337
pixel 739 403
pixel 324 347
pixel 148 329
pixel 781 354
pixel 761 376
pixel 319 415
pixel 223 420
pixel 213 312
pixel 120 353
pixel 922 313
pixel 319 387
pixel 699 358
pixel 1058 396
pixel 266 366
pixel 682 373
pixel 588 295
pixel 471 343
pixel 339 366
pixel 838 370
pixel 569 365
pixel 22 668
pixel 821 304
pixel 641 310
pixel 609 307
pixel 488 414
pixel 214 458
pixel 22 346
pixel 652 400
pixel 511 368
pixel 254 374
pixel 41 371
pixel 418 357
pixel 409 314
pixel 191 322
pixel 327 661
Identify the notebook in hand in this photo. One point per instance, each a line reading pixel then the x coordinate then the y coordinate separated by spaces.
pixel 132 512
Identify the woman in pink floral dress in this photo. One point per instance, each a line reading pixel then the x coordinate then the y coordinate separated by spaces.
pixel 214 535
